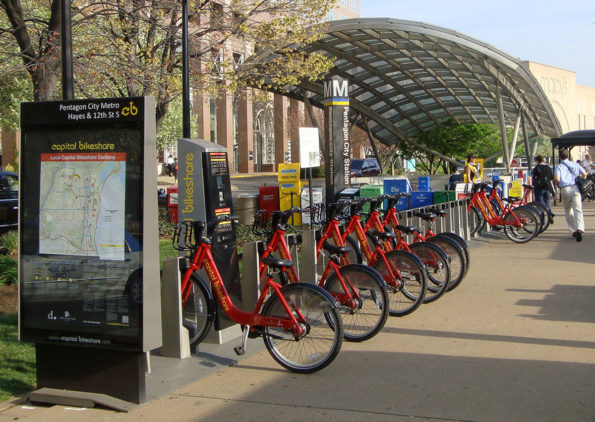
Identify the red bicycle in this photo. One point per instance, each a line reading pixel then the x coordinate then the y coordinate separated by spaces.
pixel 403 272
pixel 299 322
pixel 519 224
pixel 359 289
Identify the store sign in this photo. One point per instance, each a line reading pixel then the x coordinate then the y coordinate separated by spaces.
pixel 81 221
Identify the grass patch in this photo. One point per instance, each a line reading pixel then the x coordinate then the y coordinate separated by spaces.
pixel 17 360
pixel 166 251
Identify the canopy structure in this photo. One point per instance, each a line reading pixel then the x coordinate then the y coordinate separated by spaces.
pixel 409 77
pixel 575 138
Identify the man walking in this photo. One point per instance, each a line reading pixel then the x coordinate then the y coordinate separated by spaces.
pixel 564 176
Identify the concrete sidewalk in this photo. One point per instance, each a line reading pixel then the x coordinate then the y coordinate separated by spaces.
pixel 514 342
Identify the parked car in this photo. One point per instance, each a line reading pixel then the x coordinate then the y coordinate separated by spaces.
pixel 9 201
pixel 361 167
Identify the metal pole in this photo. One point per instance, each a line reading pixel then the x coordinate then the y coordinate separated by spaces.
pixel 502 127
pixel 185 73
pixel 66 43
pixel 311 203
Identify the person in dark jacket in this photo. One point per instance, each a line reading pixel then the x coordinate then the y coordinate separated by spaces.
pixel 542 177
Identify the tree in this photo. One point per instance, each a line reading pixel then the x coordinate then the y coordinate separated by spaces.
pixel 453 140
pixel 131 47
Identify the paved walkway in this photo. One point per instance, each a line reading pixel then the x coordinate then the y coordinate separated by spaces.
pixel 515 342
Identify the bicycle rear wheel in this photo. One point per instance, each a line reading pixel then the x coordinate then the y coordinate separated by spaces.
pixel 547 215
pixel 476 221
pixel 437 268
pixel 365 318
pixel 456 259
pixel 197 312
pixel 317 314
pixel 406 293
pixel 524 232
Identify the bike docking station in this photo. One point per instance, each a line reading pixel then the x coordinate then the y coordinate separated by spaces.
pixel 88 249
pixel 204 193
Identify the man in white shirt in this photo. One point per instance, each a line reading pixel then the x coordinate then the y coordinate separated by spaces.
pixel 565 174
pixel 586 163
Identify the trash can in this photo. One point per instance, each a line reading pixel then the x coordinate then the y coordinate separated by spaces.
pixel 268 199
pixel 172 203
pixel 248 204
pixel 370 191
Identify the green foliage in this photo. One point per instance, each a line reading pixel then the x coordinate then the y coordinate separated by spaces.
pixel 170 129
pixel 10 240
pixel 17 360
pixel 454 140
pixel 14 89
pixel 8 271
pixel 166 227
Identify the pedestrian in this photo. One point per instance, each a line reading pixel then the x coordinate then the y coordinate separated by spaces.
pixel 175 169
pixel 565 174
pixel 542 178
pixel 586 163
pixel 471 170
pixel 170 165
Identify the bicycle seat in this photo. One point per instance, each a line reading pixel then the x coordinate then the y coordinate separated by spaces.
pixel 335 250
pixel 407 229
pixel 425 216
pixel 383 235
pixel 511 199
pixel 274 262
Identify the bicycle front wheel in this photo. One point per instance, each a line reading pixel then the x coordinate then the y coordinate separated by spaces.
pixel 366 313
pixel 197 312
pixel 437 269
pixel 407 284
pixel 525 231
pixel 317 314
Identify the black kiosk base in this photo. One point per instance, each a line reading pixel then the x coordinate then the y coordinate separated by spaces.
pixel 89 372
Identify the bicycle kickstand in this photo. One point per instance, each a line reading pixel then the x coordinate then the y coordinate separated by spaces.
pixel 241 349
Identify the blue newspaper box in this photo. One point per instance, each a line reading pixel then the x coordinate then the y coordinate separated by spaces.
pixel 394 186
pixel 421 199
pixel 404 203
pixel 423 184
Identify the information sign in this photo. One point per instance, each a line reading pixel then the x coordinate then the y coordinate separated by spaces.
pixel 82 222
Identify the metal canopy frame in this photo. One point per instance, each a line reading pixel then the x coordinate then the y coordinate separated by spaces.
pixel 409 77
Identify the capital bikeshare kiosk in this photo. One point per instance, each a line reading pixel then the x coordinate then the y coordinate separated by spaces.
pixel 204 193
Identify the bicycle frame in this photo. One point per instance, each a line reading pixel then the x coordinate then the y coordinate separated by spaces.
pixel 482 202
pixel 278 243
pixel 203 258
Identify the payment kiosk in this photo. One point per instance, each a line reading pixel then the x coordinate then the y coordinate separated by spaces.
pixel 204 193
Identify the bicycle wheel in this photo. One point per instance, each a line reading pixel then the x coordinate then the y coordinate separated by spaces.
pixel 355 255
pixel 539 215
pixel 317 314
pixel 456 259
pixel 547 215
pixel 462 243
pixel 437 268
pixel 197 312
pixel 476 221
pixel 406 293
pixel 524 232
pixel 366 317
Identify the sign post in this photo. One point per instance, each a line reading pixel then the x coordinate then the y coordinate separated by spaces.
pixel 338 147
pixel 89 293
pixel 309 157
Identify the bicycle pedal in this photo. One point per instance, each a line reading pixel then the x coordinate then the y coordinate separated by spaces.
pixel 239 350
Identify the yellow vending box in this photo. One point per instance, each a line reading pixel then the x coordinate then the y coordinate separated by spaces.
pixel 289 189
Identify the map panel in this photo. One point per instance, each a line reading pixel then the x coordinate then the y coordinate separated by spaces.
pixel 81 204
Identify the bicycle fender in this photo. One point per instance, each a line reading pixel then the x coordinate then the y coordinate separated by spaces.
pixel 206 285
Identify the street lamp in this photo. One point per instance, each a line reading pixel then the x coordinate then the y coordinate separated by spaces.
pixel 185 73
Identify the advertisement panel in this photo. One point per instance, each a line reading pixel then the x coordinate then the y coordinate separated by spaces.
pixel 81 222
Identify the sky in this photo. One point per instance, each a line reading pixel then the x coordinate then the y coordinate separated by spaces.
pixel 552 32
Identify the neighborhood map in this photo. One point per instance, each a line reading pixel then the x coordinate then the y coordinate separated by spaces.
pixel 81 210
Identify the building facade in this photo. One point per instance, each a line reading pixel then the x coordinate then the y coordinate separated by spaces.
pixel 573 104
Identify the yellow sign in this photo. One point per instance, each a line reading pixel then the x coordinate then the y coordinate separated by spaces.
pixel 516 189
pixel 289 173
pixel 289 196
